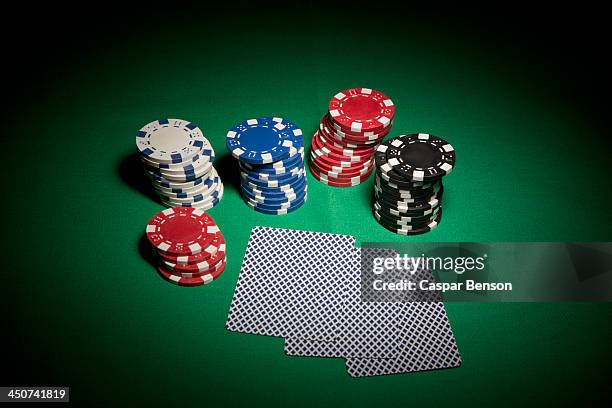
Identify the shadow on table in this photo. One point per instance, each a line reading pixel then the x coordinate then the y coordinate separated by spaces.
pixel 146 250
pixel 227 168
pixel 131 172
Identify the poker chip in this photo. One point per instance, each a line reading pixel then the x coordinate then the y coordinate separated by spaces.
pixel 273 199
pixel 340 172
pixel 417 157
pixel 408 221
pixel 270 153
pixel 285 191
pixel 262 140
pixel 408 187
pixel 193 281
pixel 275 204
pixel 279 210
pixel 401 202
pixel 336 182
pixel 279 167
pixel 217 194
pixel 207 187
pixel 342 149
pixel 414 230
pixel 361 109
pixel 170 140
pixel 201 205
pixel 206 253
pixel 190 248
pixel 181 231
pixel 178 160
pixel 195 269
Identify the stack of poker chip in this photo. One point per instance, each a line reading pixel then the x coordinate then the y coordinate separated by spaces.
pixel 270 152
pixel 179 161
pixel 357 121
pixel 408 183
pixel 189 246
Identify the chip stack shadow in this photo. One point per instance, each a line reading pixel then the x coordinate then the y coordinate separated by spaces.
pixel 408 182
pixel 178 160
pixel 270 153
pixel 341 151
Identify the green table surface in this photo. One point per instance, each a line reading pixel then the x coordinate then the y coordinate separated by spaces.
pixel 90 312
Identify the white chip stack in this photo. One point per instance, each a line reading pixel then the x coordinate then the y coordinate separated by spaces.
pixel 178 160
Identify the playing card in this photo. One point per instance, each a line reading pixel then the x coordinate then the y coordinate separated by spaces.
pixel 291 284
pixel 367 328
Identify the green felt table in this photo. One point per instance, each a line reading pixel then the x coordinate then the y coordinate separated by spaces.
pixel 90 312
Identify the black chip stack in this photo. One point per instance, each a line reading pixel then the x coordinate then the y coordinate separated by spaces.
pixel 408 183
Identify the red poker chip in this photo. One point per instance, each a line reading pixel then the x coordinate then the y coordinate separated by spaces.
pixel 332 165
pixel 333 127
pixel 200 267
pixel 333 161
pixel 340 174
pixel 359 140
pixel 336 158
pixel 351 142
pixel 196 270
pixel 345 144
pixel 365 141
pixel 181 231
pixel 340 149
pixel 328 164
pixel 334 182
pixel 193 281
pixel 205 254
pixel 320 148
pixel 362 109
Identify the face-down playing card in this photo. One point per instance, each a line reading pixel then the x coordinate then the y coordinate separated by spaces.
pixel 427 341
pixel 421 340
pixel 291 284
pixel 367 328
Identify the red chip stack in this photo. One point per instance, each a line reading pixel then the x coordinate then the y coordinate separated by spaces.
pixel 189 246
pixel 342 150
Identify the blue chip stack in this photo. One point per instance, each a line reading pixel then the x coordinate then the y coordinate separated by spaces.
pixel 179 161
pixel 270 152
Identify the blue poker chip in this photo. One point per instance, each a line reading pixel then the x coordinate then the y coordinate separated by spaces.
pixel 263 140
pixel 299 137
pixel 271 176
pixel 276 206
pixel 279 167
pixel 274 192
pixel 273 183
pixel 280 187
pixel 269 200
pixel 278 193
pixel 294 206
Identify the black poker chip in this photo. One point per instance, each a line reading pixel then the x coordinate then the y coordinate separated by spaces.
pixel 408 187
pixel 397 221
pixel 417 157
pixel 413 229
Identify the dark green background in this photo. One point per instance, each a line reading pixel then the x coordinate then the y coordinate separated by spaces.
pixel 86 309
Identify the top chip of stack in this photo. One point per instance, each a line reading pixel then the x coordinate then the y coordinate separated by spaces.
pixel 190 248
pixel 179 161
pixel 341 152
pixel 270 152
pixel 408 185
